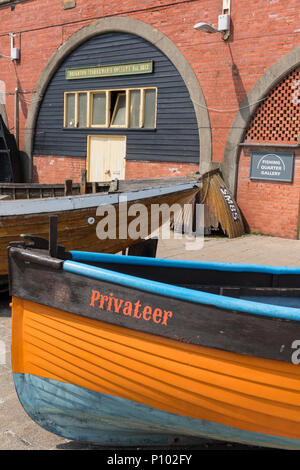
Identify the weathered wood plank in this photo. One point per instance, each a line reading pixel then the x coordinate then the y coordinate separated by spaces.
pixel 68 187
pixel 74 229
pixel 221 207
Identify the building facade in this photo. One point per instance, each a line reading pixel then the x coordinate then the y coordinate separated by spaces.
pixel 132 90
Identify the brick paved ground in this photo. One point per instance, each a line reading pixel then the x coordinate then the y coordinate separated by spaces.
pixel 18 432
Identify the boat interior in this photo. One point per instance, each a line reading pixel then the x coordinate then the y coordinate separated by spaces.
pixel 257 283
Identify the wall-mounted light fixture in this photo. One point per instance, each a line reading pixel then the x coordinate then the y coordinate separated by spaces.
pixel 14 51
pixel 223 23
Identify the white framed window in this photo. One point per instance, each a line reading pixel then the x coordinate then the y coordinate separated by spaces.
pixel 99 103
pixel 133 108
pixel 75 109
pixel 119 109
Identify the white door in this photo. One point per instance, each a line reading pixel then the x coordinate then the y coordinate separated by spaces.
pixel 106 157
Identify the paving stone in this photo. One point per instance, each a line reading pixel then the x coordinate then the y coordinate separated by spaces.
pixel 36 437
pixel 11 442
pixel 6 385
pixel 12 413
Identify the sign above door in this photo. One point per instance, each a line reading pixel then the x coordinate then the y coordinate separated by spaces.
pixel 110 70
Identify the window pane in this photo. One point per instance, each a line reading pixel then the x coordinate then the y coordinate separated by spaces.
pixel 134 113
pixel 150 105
pixel 119 115
pixel 99 109
pixel 82 103
pixel 70 103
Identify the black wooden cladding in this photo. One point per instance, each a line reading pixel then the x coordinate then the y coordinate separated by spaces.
pixel 199 324
pixel 176 137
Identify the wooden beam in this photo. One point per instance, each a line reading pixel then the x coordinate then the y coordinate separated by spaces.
pixel 53 236
pixel 68 187
pixel 83 182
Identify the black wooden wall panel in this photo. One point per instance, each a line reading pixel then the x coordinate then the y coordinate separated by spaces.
pixel 176 136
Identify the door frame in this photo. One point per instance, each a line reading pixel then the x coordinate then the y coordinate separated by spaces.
pixel 89 137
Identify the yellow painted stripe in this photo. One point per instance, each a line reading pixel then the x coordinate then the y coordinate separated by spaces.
pixel 239 391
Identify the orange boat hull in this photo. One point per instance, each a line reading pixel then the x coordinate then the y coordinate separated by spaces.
pixel 254 398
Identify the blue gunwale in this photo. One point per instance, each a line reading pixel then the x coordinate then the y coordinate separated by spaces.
pixel 168 290
pixel 170 263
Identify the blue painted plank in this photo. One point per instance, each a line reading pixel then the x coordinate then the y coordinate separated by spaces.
pixel 80 414
pixel 170 263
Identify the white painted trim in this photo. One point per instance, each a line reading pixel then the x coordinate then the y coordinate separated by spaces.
pixel 69 203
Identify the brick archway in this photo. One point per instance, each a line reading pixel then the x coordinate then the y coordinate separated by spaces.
pixel 242 119
pixel 147 32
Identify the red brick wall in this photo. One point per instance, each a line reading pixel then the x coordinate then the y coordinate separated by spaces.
pixel 277 118
pixel 139 170
pixel 226 70
pixel 270 208
pixel 57 169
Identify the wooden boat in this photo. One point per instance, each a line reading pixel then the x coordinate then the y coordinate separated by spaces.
pixel 31 206
pixel 131 351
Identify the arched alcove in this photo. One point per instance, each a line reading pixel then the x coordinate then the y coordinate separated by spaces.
pixel 150 34
pixel 250 104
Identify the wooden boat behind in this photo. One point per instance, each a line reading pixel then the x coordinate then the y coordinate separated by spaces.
pixel 31 206
pixel 131 351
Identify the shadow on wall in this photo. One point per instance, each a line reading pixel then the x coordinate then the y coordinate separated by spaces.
pixel 22 100
pixel 240 91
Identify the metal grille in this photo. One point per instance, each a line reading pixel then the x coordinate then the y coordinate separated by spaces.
pixel 277 119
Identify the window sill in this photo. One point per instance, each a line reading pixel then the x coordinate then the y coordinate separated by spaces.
pixel 111 129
